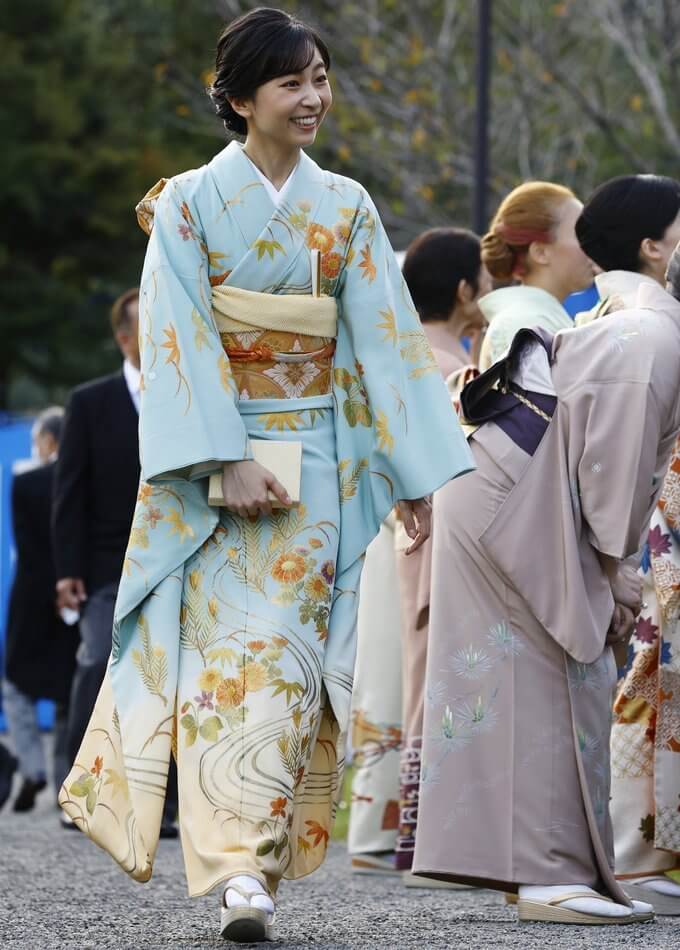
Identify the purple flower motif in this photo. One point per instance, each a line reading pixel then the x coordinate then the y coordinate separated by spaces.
pixel 204 701
pixel 666 655
pixel 645 630
pixel 185 231
pixel 328 572
pixel 659 543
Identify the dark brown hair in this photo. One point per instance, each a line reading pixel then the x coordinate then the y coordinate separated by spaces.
pixel 121 319
pixel 435 263
pixel 256 48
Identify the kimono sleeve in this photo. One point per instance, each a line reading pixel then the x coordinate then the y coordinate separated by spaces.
pixel 393 389
pixel 189 420
pixel 617 478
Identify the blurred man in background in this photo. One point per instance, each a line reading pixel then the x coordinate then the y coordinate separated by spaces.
pixel 40 647
pixel 94 500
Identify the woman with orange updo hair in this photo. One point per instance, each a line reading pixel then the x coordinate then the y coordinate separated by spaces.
pixel 532 240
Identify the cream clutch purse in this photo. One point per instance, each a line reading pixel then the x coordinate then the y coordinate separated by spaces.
pixel 282 459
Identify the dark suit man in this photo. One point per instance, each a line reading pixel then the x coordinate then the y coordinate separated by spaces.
pixel 95 490
pixel 94 498
pixel 40 649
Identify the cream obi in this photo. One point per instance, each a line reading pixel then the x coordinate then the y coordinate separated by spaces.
pixel 280 346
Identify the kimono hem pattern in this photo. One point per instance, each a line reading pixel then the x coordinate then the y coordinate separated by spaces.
pixel 234 639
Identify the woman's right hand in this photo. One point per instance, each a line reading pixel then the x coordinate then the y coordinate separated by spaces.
pixel 621 626
pixel 246 486
pixel 627 587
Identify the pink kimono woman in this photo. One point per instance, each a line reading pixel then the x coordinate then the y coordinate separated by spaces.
pixel 515 777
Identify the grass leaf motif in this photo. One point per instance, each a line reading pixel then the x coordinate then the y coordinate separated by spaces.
pixel 152 662
pixel 349 484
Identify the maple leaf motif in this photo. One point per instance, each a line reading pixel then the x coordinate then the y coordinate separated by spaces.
pixel 659 543
pixel 645 630
pixel 366 264
pixel 317 832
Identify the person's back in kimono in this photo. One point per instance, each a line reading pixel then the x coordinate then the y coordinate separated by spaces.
pixel 234 633
pixel 570 447
pixel 531 242
pixel 629 227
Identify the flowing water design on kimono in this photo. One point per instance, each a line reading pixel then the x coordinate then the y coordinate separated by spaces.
pixel 206 599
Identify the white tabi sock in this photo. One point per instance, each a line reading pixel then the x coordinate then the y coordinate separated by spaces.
pixel 660 885
pixel 584 905
pixel 260 898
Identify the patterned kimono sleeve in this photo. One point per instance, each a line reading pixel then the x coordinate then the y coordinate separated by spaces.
pixel 394 386
pixel 618 486
pixel 189 421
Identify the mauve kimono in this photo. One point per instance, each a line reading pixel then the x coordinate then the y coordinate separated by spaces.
pixel 645 742
pixel 515 775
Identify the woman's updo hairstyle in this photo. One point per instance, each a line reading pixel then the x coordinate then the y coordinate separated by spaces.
pixel 529 213
pixel 256 48
pixel 621 213
pixel 435 263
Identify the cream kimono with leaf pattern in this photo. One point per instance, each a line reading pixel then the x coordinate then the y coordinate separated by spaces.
pixel 259 770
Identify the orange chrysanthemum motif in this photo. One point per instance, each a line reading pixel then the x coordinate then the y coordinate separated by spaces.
pixel 279 642
pixel 315 543
pixel 255 677
pixel 98 766
pixel 230 692
pixel 316 588
pixel 331 264
pixel 319 238
pixel 145 492
pixel 279 807
pixel 288 568
pixel 256 646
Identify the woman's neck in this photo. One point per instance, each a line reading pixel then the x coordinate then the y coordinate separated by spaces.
pixel 454 325
pixel 274 161
pixel 544 280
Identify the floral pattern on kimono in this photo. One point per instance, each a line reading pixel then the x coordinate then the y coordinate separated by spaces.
pixel 189 594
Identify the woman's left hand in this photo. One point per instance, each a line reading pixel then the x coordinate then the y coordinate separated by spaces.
pixel 416 516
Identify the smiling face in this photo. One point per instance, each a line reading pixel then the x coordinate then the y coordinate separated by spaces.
pixel 288 111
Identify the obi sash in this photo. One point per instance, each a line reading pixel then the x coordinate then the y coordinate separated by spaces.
pixel 493 397
pixel 280 346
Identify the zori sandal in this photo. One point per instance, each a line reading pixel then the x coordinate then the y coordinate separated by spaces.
pixel 551 911
pixel 244 923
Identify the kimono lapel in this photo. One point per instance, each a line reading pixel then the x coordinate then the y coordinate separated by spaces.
pixel 274 243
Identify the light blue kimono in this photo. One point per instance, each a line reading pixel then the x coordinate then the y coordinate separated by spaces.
pixel 260 743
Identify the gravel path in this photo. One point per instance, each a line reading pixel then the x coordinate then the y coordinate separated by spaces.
pixel 60 891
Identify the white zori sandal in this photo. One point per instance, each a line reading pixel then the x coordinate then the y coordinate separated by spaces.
pixel 585 907
pixel 248 912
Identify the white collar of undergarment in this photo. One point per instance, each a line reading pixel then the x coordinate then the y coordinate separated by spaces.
pixel 133 380
pixel 276 196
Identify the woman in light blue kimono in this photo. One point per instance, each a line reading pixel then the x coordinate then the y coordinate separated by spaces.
pixel 234 633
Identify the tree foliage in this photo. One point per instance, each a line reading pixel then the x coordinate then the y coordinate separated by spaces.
pixel 102 99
